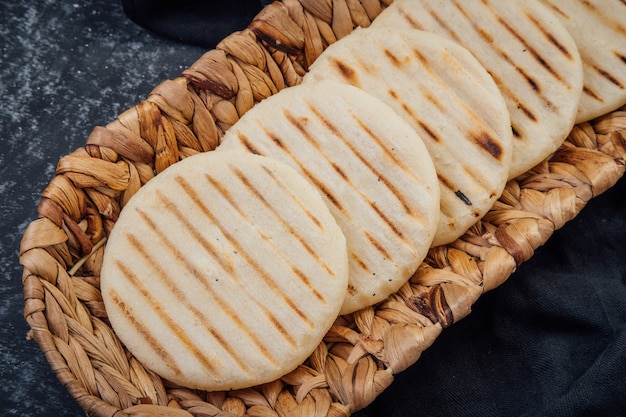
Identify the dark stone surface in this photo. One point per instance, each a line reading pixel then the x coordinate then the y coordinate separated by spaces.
pixel 550 341
pixel 65 67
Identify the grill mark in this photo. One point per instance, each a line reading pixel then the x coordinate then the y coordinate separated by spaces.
pixel 347 72
pixel 433 100
pixel 304 170
pixel 533 84
pixel 387 220
pixel 339 171
pixel 550 37
pixel 607 76
pixel 557 10
pixel 395 192
pixel 245 141
pixel 538 57
pixel 515 132
pixel 388 152
pixel 604 19
pixel 144 333
pixel 510 95
pixel 409 111
pixel 421 58
pixel 446 183
pixel 485 141
pixel 263 274
pixel 301 206
pixel 303 278
pixel 198 278
pixel 195 350
pixel 477 178
pixel 325 191
pixel 590 93
pixel 359 262
pixel 378 246
pixel 295 122
pixel 620 56
pixel 442 23
pixel 426 128
pixel 395 61
pixel 410 20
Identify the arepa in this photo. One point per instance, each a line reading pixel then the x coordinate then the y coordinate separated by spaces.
pixel 224 271
pixel 529 53
pixel 444 93
pixel 599 30
pixel 371 167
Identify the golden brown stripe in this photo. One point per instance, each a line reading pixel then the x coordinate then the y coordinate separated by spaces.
pixel 358 261
pixel 325 191
pixel 590 93
pixel 395 61
pixel 516 102
pixel 605 20
pixel 192 193
pixel 335 131
pixel 607 76
pixel 157 308
pixel 485 141
pixel 535 54
pixel 379 246
pixel 444 25
pixel 347 72
pixel 378 174
pixel 557 9
pixel 247 143
pixel 292 232
pixel 142 332
pixel 445 182
pixel 550 37
pixel 306 172
pixel 383 144
pixel 230 312
pixel 538 57
pixel 301 206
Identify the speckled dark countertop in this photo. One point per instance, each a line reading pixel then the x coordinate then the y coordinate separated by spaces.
pixel 550 341
pixel 65 67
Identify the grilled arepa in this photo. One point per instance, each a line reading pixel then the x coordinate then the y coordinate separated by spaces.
pixel 528 52
pixel 444 93
pixel 224 271
pixel 370 166
pixel 599 30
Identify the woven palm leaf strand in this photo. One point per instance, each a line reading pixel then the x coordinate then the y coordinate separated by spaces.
pixel 61 251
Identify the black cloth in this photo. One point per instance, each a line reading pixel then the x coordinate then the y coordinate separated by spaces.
pixel 551 341
pixel 192 21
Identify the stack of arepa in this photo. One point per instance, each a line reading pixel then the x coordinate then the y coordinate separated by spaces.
pixel 227 269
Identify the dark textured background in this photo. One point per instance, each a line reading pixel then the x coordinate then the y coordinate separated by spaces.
pixel 550 342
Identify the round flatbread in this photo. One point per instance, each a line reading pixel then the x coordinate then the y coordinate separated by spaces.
pixel 369 165
pixel 224 271
pixel 599 30
pixel 528 52
pixel 442 91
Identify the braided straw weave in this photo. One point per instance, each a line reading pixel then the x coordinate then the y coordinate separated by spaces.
pixel 62 250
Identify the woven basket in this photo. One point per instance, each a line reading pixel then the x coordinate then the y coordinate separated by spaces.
pixel 62 250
